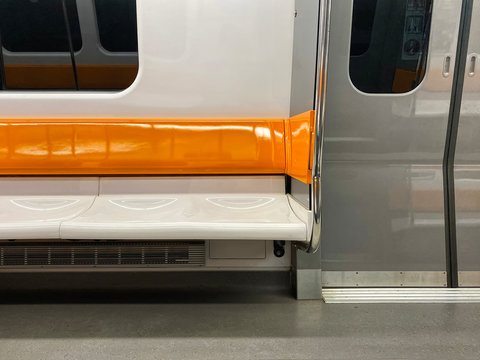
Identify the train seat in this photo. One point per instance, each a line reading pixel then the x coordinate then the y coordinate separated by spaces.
pixel 34 209
pixel 162 209
pixel 154 179
pixel 151 208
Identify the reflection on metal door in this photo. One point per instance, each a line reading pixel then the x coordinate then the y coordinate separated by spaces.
pixel 467 164
pixel 382 185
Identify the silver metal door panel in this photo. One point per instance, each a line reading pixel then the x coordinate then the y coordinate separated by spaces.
pixel 304 56
pixel 383 202
pixel 333 279
pixel 467 164
pixel 309 41
pixel 304 64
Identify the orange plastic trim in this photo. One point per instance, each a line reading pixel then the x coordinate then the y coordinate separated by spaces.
pixel 299 142
pixel 134 146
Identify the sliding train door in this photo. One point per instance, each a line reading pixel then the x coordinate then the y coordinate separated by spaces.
pixel 389 86
pixel 466 167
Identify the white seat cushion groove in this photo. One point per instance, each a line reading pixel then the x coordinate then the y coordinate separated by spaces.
pixel 188 217
pixel 38 217
pixel 148 208
pixel 33 208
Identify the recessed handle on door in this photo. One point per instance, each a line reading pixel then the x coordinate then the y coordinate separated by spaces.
pixel 471 65
pixel 446 66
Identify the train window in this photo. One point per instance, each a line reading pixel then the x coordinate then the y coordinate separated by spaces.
pixel 38 25
pixel 41 45
pixel 389 44
pixel 37 37
pixel 117 29
pixel 117 25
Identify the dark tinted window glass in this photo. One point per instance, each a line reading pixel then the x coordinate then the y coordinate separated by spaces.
pixel 38 25
pixel 117 24
pixel 362 25
pixel 39 58
pixel 389 44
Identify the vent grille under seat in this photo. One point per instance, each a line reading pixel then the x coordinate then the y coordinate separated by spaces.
pixel 95 253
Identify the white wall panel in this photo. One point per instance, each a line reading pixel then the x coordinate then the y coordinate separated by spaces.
pixel 197 59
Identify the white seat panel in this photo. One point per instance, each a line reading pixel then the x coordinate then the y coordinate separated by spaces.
pixel 187 217
pixel 38 217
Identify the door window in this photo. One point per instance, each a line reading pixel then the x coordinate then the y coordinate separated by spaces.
pixel 389 44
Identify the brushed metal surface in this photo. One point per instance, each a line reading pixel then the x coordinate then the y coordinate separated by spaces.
pixel 467 166
pixel 382 185
pixel 307 284
pixel 373 296
pixel 469 278
pixel 331 279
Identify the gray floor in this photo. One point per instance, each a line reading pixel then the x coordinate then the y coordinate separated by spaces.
pixel 177 316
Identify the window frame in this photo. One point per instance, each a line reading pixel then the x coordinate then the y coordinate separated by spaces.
pixel 91 51
pixel 427 62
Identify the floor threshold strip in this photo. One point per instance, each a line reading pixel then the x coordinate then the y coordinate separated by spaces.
pixel 401 295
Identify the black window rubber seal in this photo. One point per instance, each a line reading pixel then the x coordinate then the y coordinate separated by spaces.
pixel 3 80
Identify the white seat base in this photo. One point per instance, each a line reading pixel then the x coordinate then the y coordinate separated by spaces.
pixel 38 217
pixel 189 217
pixel 155 209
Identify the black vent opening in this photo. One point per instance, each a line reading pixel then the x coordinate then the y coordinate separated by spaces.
pixel 134 253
